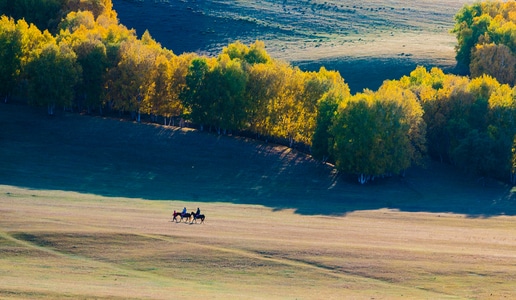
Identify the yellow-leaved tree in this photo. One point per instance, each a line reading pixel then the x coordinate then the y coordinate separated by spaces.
pixel 495 60
pixel 378 133
pixel 10 56
pixel 285 111
pixel 52 75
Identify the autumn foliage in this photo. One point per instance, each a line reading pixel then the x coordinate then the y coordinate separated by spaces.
pixel 486 35
pixel 89 62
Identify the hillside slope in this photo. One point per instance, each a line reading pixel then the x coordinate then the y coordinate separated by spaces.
pixel 366 42
pixel 111 157
pixel 299 29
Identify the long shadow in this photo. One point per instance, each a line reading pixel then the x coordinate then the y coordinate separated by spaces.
pixel 114 158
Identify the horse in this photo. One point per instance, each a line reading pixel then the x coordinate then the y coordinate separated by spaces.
pixel 186 216
pixel 200 217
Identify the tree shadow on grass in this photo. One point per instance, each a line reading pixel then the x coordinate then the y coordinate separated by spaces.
pixel 116 158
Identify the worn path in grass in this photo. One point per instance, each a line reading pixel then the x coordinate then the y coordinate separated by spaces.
pixel 58 245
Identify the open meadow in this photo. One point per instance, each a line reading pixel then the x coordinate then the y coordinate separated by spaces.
pixel 58 245
pixel 86 205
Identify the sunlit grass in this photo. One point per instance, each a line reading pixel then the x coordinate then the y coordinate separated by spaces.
pixel 58 245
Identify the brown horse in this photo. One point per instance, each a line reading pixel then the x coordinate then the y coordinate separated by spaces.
pixel 200 217
pixel 186 216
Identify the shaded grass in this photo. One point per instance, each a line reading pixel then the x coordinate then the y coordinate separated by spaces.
pixel 117 158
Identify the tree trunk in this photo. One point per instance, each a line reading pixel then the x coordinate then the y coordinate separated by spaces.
pixel 50 109
pixel 362 178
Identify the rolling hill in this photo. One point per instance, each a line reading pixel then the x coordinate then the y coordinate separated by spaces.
pixel 117 158
pixel 81 218
pixel 367 42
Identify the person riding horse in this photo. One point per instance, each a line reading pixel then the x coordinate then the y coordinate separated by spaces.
pixel 188 216
pixel 198 216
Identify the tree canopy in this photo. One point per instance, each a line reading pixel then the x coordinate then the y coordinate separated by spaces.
pixel 89 62
pixel 486 39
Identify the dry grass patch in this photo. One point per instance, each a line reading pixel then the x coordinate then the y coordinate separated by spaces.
pixel 64 245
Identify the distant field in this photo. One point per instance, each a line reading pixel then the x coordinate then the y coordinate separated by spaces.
pixel 86 203
pixel 367 41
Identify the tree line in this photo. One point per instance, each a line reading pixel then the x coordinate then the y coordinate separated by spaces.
pixel 90 62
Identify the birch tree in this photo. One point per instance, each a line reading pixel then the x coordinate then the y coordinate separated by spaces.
pixel 174 106
pixel 230 106
pixel 494 60
pixel 10 56
pixel 83 33
pixel 323 139
pixel 130 78
pixel 196 95
pixel 377 134
pixel 53 74
pixel 263 86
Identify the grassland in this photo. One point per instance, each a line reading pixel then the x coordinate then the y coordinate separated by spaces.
pixel 86 203
pixel 58 245
pixel 366 42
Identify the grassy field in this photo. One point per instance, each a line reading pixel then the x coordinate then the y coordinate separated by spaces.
pixel 366 42
pixel 86 204
pixel 58 245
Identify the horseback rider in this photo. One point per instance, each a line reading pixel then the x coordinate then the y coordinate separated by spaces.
pixel 198 212
pixel 184 212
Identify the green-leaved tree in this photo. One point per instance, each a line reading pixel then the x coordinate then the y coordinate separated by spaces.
pixel 53 74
